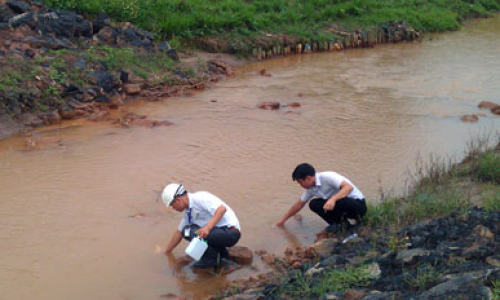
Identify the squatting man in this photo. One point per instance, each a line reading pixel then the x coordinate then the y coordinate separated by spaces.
pixel 207 216
pixel 331 196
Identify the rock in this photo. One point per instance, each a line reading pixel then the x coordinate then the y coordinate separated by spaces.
pixel 487 105
pixel 162 123
pixel 106 34
pixel 376 295
pixel 293 105
pixel 72 114
pixel 143 122
pixel 36 142
pixel 29 119
pixel 99 116
pixel 132 88
pixel 104 79
pixel 323 248
pixel 116 99
pixel 469 118
pixel 18 7
pixel 482 231
pixel 493 260
pixel 163 46
pixel 51 118
pixel 263 72
pixel 261 252
pixel 25 18
pixel 241 255
pixel 373 271
pixel 269 105
pixel 269 259
pixel 354 294
pixel 407 256
pixel 447 288
pixel 333 296
pixel 5 13
pixel 100 22
pixel 49 42
pixel 172 54
pixel 296 264
pixel 314 270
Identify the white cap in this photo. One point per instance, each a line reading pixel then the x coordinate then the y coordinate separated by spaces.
pixel 171 191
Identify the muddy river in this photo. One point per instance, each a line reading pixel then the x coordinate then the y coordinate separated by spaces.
pixel 81 220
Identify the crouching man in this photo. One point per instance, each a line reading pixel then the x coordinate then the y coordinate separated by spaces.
pixel 208 217
pixel 331 196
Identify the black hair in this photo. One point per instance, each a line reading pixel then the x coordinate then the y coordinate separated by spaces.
pixel 302 171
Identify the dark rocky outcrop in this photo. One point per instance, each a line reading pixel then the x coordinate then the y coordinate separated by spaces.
pixel 454 257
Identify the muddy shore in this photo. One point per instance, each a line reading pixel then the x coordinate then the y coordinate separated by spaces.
pixel 65 66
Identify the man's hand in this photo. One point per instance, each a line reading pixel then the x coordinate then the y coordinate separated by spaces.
pixel 329 205
pixel 203 232
pixel 280 223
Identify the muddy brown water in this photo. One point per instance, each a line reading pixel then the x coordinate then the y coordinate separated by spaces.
pixel 80 221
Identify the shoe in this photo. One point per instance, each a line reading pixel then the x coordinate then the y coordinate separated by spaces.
pixel 333 228
pixel 205 264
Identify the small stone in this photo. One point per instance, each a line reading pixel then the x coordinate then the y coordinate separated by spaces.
pixel 354 295
pixel 269 105
pixel 487 105
pixel 469 118
pixel 483 231
pixel 493 260
pixel 132 88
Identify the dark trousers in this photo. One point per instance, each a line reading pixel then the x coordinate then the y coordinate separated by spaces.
pixel 344 208
pixel 218 240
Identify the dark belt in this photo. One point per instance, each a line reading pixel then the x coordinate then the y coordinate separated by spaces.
pixel 232 228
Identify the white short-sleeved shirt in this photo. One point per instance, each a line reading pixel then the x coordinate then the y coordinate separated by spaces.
pixel 202 206
pixel 327 185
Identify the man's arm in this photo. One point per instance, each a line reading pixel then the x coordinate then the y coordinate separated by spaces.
pixel 174 241
pixel 219 212
pixel 296 207
pixel 345 189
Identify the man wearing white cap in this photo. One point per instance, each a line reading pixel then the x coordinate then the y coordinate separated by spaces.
pixel 207 216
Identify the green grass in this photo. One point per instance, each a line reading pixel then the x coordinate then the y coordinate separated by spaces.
pixel 191 18
pixel 302 285
pixel 491 199
pixel 422 277
pixel 496 290
pixel 488 167
pixel 437 189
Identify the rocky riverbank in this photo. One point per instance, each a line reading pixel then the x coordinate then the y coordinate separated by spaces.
pixel 454 257
pixel 59 65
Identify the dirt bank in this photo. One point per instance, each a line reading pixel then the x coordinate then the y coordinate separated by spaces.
pixel 58 65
